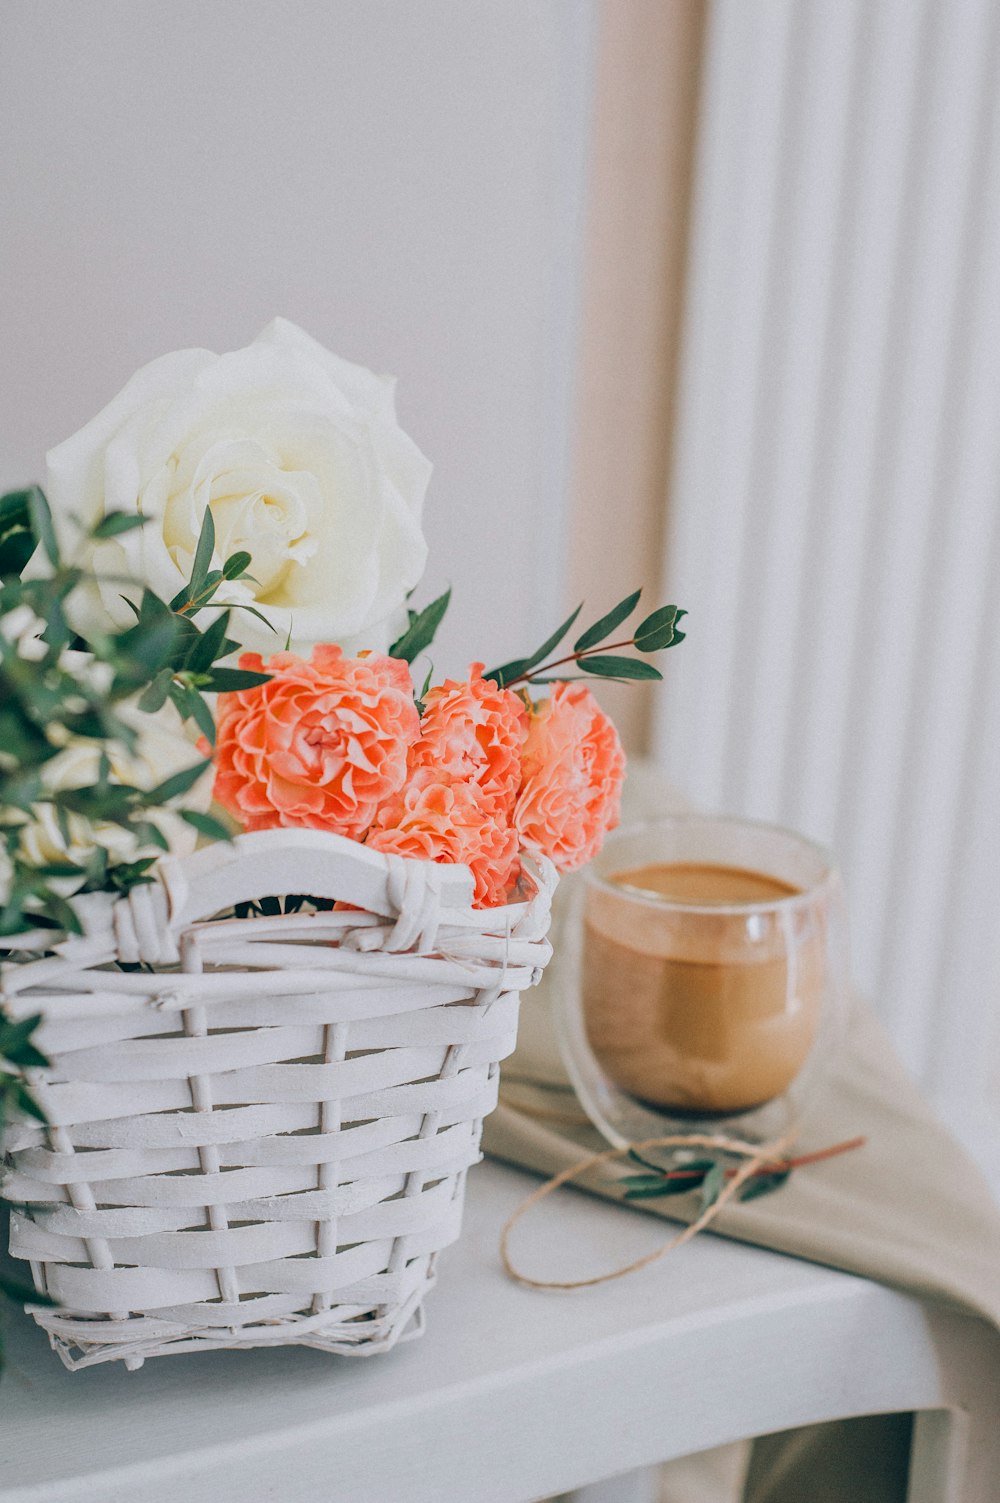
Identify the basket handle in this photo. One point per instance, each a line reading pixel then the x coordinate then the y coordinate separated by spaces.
pixel 269 863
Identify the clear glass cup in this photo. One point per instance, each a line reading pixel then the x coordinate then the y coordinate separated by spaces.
pixel 710 979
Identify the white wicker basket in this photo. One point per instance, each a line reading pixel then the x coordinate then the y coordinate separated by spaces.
pixel 260 1128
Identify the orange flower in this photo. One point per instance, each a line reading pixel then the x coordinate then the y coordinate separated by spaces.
pixel 322 745
pixel 447 822
pixel 573 767
pixel 474 732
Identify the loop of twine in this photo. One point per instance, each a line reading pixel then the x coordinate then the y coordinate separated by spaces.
pixel 755 1154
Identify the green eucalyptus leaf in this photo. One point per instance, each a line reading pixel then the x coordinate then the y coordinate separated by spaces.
pixel 422 630
pixel 150 644
pixel 236 565
pixel 26 1103
pixel 695 1166
pixel 232 680
pixel 17 539
pixel 174 786
pixel 239 605
pixel 658 1192
pixel 605 626
pixel 206 824
pixel 58 633
pixel 209 645
pixel 114 523
pixel 507 672
pixel 551 643
pixel 155 696
pixel 129 874
pixel 26 1057
pixel 657 631
pixel 521 667
pixel 148 833
pixel 41 523
pixel 621 668
pixel 638 1158
pixel 14 1035
pixel 711 1185
pixel 201 597
pixel 192 706
pixel 203 553
pixel 152 609
pixel 641 1181
pixel 763 1184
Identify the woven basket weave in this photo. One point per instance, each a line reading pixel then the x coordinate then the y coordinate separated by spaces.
pixel 260 1127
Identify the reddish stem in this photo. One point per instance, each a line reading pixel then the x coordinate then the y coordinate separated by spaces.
pixel 783 1165
pixel 574 657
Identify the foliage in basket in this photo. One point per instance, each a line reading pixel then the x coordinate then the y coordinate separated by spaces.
pixel 265 500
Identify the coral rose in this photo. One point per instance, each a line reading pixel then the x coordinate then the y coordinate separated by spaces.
pixel 452 822
pixel 474 732
pixel 323 744
pixel 574 767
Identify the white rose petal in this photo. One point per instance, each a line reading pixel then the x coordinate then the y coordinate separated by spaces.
pixel 301 459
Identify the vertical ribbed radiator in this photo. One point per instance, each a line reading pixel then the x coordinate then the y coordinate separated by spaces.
pixel 835 500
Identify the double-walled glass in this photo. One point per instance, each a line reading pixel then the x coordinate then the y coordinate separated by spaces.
pixel 710 980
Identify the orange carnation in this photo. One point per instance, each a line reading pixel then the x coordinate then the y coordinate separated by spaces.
pixel 474 732
pixel 452 822
pixel 321 745
pixel 574 768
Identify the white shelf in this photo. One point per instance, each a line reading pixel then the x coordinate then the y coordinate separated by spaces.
pixel 511 1395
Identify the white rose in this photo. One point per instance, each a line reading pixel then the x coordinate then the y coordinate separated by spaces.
pixel 303 463
pixel 163 749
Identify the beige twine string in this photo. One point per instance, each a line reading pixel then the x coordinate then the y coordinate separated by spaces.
pixel 756 1155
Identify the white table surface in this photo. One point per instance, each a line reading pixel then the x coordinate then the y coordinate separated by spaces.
pixel 511 1394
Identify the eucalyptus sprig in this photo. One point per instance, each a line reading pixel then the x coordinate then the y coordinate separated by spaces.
pixel 421 629
pixel 591 652
pixel 51 698
pixel 190 670
pixel 683 1174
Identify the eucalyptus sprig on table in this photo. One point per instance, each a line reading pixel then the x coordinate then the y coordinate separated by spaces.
pixel 708 1174
pixel 591 652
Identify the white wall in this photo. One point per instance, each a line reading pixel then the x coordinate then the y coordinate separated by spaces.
pixel 403 179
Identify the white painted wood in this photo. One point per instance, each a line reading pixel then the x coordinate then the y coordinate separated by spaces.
pixel 835 523
pixel 220 875
pixel 512 1395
